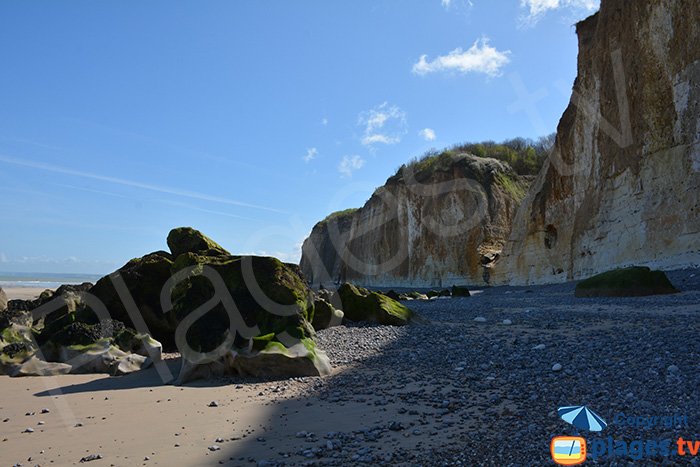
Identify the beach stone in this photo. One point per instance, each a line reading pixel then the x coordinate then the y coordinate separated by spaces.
pixel 539 347
pixel 557 367
pixel 507 322
pixel 460 291
pixel 325 315
pixel 362 305
pixel 627 282
pixel 480 319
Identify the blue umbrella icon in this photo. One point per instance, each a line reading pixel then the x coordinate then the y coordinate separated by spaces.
pixel 582 418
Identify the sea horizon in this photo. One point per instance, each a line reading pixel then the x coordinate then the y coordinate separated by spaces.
pixel 44 280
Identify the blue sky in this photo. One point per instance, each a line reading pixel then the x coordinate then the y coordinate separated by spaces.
pixel 249 120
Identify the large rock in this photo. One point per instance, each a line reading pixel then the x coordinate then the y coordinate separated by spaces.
pixel 627 282
pixel 274 360
pixel 71 336
pixel 3 300
pixel 622 185
pixel 430 225
pixel 267 295
pixel 210 304
pixel 325 315
pixel 144 279
pixel 362 305
pixel 188 240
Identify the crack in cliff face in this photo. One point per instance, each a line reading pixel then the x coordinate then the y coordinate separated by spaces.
pixel 620 187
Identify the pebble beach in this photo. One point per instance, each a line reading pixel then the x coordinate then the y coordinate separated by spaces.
pixel 479 383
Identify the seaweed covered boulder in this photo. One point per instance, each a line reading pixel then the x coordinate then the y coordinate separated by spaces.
pixel 362 305
pixel 143 280
pixel 325 315
pixel 260 310
pixel 58 334
pixel 628 282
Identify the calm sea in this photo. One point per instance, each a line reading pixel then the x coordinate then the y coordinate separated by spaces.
pixel 43 280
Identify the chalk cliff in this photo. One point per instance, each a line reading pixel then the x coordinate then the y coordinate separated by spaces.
pixel 438 222
pixel 623 184
pixel 621 187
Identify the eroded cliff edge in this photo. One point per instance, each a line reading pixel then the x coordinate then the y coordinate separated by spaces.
pixel 439 222
pixel 623 184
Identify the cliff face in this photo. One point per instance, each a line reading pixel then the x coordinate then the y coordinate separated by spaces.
pixel 435 223
pixel 623 185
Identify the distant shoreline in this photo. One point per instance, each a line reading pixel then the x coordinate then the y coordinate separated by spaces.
pixel 24 293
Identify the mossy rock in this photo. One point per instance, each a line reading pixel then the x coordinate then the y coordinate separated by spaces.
pixel 289 299
pixel 144 278
pixel 278 361
pixel 628 282
pixel 188 240
pixel 362 305
pixel 325 315
pixel 460 291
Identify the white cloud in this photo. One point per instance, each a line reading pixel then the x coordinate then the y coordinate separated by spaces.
pixel 480 58
pixel 349 164
pixel 383 124
pixel 311 154
pixel 427 134
pixel 538 8
pixel 445 3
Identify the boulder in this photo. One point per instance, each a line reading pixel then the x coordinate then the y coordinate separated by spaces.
pixel 325 315
pixel 144 279
pixel 394 296
pixel 627 282
pixel 3 300
pixel 188 240
pixel 274 360
pixel 415 296
pixel 267 295
pixel 460 291
pixel 362 305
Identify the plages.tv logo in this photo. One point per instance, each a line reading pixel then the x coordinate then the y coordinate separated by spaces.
pixel 572 450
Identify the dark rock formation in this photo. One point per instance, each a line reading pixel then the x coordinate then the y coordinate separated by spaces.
pixel 627 282
pixel 362 305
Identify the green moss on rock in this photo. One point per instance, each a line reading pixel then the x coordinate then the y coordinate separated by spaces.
pixel 627 282
pixel 362 305
pixel 188 240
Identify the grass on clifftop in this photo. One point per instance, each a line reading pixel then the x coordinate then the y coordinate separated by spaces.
pixel 525 156
pixel 338 215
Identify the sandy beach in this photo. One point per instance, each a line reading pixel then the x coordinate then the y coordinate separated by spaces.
pixel 22 293
pixel 456 390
